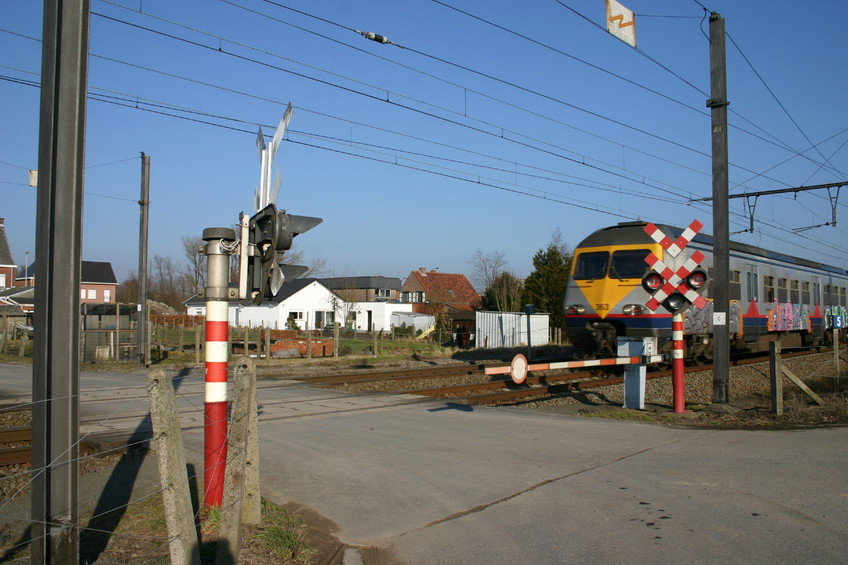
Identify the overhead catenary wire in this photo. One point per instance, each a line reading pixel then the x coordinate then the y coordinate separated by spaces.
pixel 133 102
pixel 554 99
pixel 630 179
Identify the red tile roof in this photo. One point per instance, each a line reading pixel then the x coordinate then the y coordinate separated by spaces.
pixel 447 288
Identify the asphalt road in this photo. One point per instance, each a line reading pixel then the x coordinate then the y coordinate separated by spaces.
pixel 412 481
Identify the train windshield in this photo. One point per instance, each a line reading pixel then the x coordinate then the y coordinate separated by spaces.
pixel 591 265
pixel 628 264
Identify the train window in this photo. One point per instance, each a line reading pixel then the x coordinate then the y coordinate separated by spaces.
pixel 782 295
pixel 735 289
pixel 805 292
pixel 752 284
pixel 591 265
pixel 628 264
pixel 794 294
pixel 768 288
pixel 842 296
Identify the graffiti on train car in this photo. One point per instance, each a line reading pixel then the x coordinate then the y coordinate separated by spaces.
pixel 786 317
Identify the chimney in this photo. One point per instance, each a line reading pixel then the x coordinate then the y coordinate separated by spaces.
pixel 422 270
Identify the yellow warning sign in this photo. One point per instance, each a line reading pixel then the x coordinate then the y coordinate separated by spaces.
pixel 621 22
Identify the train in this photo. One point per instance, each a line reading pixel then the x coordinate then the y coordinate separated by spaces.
pixel 773 296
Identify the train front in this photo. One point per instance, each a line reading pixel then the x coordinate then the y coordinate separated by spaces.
pixel 604 298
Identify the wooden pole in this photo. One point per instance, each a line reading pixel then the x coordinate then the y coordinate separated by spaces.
pixel 776 376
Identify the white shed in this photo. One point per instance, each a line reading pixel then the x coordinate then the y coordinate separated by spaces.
pixel 376 315
pixel 509 329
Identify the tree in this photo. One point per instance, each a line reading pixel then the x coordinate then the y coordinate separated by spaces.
pixel 501 288
pixel 545 287
pixel 504 293
pixel 127 291
pixel 486 267
pixel 194 270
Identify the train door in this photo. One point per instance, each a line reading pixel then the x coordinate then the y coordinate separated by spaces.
pixel 817 298
pixel 752 283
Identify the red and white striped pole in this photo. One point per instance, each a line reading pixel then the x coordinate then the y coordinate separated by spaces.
pixel 215 399
pixel 677 369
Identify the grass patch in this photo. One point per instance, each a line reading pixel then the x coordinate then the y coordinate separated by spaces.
pixel 284 535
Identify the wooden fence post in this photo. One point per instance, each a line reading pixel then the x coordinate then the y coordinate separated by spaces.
pixel 167 439
pixel 776 376
pixel 308 341
pixel 197 344
pixel 268 345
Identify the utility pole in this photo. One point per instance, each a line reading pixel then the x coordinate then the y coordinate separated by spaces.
pixel 55 367
pixel 721 228
pixel 144 204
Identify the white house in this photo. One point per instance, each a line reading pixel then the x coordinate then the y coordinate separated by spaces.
pixel 306 301
pixel 375 315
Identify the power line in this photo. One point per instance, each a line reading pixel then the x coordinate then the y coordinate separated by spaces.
pixel 162 109
pixel 221 50
pixel 779 143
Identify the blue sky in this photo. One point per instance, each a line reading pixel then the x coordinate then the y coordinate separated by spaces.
pixel 485 125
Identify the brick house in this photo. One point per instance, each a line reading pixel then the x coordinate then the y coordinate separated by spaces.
pixel 8 268
pixel 446 295
pixel 98 284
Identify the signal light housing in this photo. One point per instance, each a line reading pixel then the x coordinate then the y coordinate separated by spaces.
pixel 697 279
pixel 652 282
pixel 266 236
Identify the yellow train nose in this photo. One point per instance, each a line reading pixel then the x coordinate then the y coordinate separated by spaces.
pixel 602 295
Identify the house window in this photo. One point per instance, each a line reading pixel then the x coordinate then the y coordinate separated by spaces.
pixel 107 295
pixel 82 294
pixel 92 294
pixel 3 281
pixel 323 319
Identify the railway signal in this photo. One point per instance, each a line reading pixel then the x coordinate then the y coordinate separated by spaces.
pixel 675 289
pixel 266 236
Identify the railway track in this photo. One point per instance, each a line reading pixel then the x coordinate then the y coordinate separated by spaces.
pixel 16 446
pixel 495 390
pixel 467 384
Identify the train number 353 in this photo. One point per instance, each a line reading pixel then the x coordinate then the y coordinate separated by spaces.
pixel 601 307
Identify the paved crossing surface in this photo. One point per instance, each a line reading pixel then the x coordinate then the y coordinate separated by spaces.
pixel 414 481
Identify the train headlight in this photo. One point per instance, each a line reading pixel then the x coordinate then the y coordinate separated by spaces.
pixel 633 309
pixel 575 309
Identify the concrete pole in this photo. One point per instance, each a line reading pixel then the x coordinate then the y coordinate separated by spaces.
pixel 678 371
pixel 721 228
pixel 144 203
pixel 216 353
pixel 55 367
